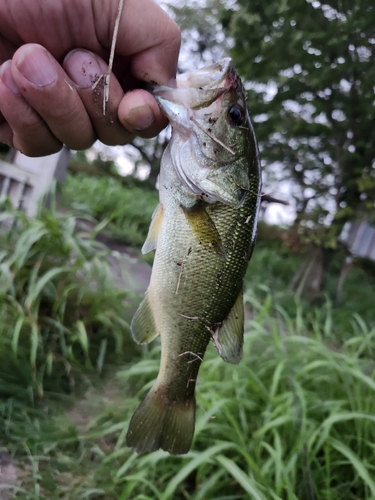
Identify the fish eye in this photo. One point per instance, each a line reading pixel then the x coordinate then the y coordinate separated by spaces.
pixel 236 115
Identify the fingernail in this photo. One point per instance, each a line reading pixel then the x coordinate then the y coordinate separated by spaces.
pixel 7 77
pixel 37 66
pixel 82 67
pixel 140 118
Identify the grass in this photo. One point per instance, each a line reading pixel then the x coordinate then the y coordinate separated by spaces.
pixel 273 265
pixel 60 313
pixel 125 212
pixel 295 420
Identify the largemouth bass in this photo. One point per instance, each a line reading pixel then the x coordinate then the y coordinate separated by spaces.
pixel 203 232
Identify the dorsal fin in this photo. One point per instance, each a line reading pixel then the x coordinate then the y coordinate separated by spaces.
pixel 153 232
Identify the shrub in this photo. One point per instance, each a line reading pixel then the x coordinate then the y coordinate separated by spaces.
pixel 59 309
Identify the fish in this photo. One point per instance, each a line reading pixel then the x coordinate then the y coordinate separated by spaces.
pixel 203 233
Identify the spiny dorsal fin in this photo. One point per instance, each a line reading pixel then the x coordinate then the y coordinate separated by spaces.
pixel 143 326
pixel 229 338
pixel 153 232
pixel 204 228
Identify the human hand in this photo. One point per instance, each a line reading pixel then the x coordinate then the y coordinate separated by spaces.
pixel 52 52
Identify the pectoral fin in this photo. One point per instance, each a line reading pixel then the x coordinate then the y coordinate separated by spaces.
pixel 204 229
pixel 143 326
pixel 229 338
pixel 153 232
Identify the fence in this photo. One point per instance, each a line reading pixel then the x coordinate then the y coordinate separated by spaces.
pixel 25 180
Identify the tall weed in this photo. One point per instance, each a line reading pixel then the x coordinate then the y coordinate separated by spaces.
pixel 59 310
pixel 126 211
pixel 294 420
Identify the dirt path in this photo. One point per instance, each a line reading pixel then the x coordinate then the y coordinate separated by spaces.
pixel 128 271
pixel 131 273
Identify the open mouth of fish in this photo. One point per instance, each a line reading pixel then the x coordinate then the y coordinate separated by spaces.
pixel 199 95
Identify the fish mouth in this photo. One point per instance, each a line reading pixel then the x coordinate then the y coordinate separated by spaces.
pixel 191 107
pixel 211 76
pixel 196 89
pixel 178 104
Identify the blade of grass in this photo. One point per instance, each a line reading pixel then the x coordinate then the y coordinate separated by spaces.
pixel 199 460
pixel 243 479
pixel 356 463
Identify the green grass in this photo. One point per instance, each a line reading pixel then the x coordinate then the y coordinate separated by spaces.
pixel 273 265
pixel 60 313
pixel 295 420
pixel 124 211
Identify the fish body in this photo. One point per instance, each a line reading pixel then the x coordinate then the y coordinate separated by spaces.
pixel 203 231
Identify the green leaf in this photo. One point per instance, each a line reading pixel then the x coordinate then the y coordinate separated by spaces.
pixel 36 289
pixel 248 484
pixel 200 459
pixel 16 334
pixel 356 463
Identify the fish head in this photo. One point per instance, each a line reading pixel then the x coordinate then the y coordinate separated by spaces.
pixel 212 149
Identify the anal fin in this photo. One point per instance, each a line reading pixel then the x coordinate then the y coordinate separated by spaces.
pixel 229 338
pixel 143 326
pixel 153 232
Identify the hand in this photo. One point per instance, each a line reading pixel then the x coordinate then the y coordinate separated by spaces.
pixel 52 52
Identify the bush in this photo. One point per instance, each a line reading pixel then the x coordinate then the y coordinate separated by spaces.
pixel 294 420
pixel 60 312
pixel 126 211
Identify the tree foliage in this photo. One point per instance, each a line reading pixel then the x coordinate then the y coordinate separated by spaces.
pixel 203 39
pixel 310 72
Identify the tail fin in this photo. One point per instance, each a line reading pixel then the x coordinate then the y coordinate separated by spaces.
pixel 158 423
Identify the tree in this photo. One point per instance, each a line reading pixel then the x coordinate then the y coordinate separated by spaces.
pixel 311 73
pixel 203 38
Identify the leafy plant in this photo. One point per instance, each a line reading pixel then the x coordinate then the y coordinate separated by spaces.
pixel 294 420
pixel 59 308
pixel 126 212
